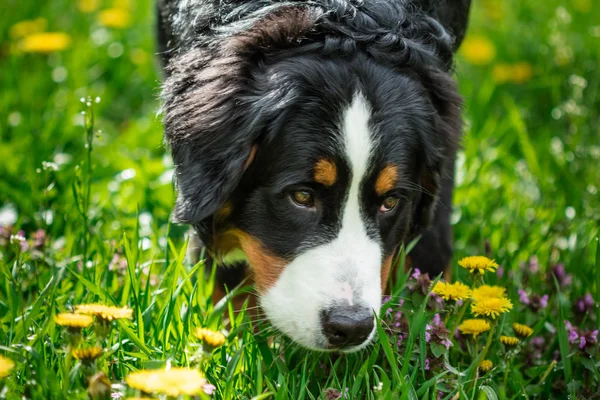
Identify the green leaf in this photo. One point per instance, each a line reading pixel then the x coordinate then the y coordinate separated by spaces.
pixel 489 392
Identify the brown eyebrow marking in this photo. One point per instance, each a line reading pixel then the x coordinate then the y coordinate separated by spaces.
pixel 387 179
pixel 325 172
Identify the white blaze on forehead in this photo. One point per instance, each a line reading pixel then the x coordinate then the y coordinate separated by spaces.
pixel 343 272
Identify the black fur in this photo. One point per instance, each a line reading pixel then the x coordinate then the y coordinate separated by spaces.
pixel 277 75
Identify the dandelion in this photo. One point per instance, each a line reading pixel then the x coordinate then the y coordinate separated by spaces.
pixel 211 339
pixel 45 42
pixel 28 27
pixel 474 327
pixel 6 365
pixel 87 355
pixel 172 382
pixel 73 321
pixel 104 313
pixel 502 73
pixel 491 307
pixel 509 341
pixel 521 72
pixel 478 50
pixel 488 291
pixel 522 330
pixel 452 291
pixel 114 18
pixel 486 366
pixel 88 6
pixel 478 264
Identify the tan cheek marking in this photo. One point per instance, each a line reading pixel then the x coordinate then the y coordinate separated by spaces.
pixel 224 212
pixel 386 268
pixel 387 179
pixel 250 157
pixel 325 172
pixel 266 267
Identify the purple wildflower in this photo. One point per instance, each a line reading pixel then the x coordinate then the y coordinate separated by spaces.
pixel 39 238
pixel 584 304
pixel 427 364
pixel 209 388
pixel 537 341
pixel 437 320
pixel 523 298
pixel 563 278
pixel 589 300
pixel 544 301
pixel 500 272
pixel 573 336
pixel 582 342
pixel 447 343
pixel 416 274
pixel 427 333
pixel 534 265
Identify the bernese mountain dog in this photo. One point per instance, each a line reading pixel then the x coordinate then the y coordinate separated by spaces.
pixel 311 139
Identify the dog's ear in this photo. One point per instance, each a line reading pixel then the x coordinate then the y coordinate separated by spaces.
pixel 204 128
pixel 440 144
pixel 215 111
pixel 453 15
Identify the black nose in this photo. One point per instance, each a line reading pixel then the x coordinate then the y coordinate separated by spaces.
pixel 345 327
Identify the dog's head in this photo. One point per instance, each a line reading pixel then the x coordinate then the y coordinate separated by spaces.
pixel 313 152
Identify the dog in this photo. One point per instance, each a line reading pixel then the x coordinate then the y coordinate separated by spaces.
pixel 311 140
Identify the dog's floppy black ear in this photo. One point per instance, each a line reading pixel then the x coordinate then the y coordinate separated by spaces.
pixel 215 112
pixel 439 145
pixel 204 126
pixel 452 14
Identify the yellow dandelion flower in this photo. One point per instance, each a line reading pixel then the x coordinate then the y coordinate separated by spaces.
pixel 478 264
pixel 114 18
pixel 582 6
pixel 76 321
pixel 28 27
pixel 478 50
pixel 474 327
pixel 87 354
pixel 88 6
pixel 452 291
pixel 491 307
pixel 6 365
pixel 509 341
pixel 172 382
pixel 521 72
pixel 488 291
pixel 522 330
pixel 502 73
pixel 212 339
pixel 105 313
pixel 45 42
pixel 486 365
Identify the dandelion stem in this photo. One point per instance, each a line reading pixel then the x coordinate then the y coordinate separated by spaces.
pixel 482 355
pixel 459 318
pixel 508 362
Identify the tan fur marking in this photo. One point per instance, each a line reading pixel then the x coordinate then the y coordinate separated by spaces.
pixel 325 172
pixel 387 179
pixel 386 268
pixel 224 211
pixel 266 267
pixel 250 157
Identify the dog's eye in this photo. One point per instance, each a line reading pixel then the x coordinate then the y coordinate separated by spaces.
pixel 388 204
pixel 303 198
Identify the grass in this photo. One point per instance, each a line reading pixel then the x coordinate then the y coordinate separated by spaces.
pixel 97 193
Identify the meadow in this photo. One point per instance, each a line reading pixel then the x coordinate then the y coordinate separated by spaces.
pixel 86 194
